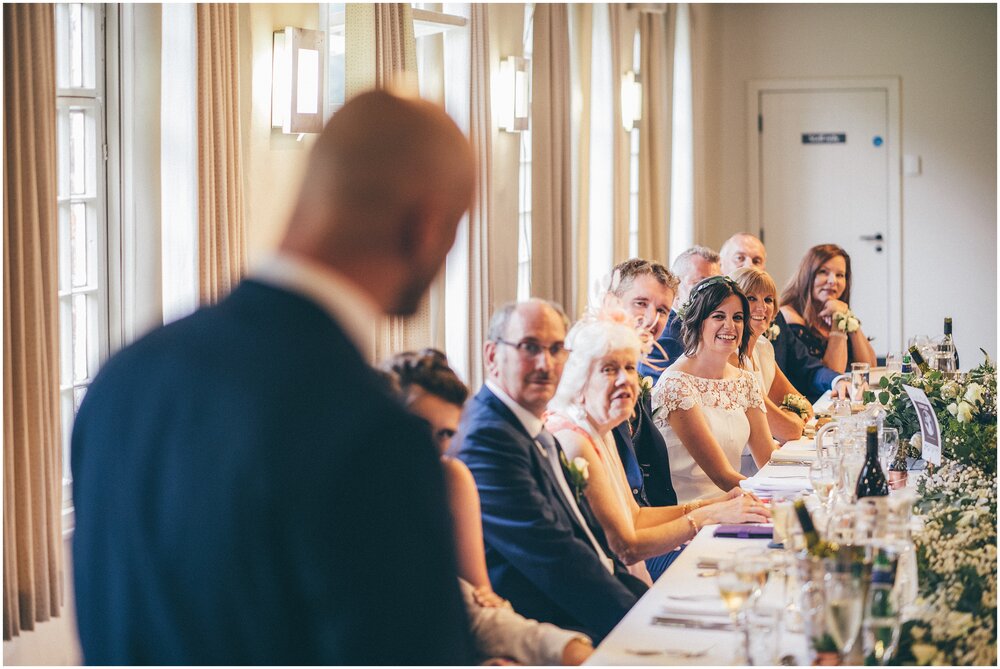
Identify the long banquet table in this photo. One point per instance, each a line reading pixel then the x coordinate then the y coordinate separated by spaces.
pixel 681 595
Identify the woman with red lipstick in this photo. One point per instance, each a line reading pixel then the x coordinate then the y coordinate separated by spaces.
pixel 598 391
pixel 814 306
pixel 707 409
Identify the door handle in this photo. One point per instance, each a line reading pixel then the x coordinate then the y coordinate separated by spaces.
pixel 877 237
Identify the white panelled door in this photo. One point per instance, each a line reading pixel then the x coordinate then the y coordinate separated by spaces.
pixel 824 177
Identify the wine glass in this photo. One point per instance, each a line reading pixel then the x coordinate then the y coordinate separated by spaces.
pixel 894 363
pixel 841 408
pixel 888 446
pixel 735 590
pixel 754 565
pixel 782 516
pixel 823 476
pixel 844 608
pixel 860 376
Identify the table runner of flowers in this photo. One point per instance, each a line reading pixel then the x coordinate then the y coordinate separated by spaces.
pixel 956 623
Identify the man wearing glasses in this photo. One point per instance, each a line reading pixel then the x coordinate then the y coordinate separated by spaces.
pixel 544 551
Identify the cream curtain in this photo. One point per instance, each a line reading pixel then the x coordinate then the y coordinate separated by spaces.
pixel 656 35
pixel 32 451
pixel 480 217
pixel 222 238
pixel 623 25
pixel 701 50
pixel 381 53
pixel 552 256
pixel 583 26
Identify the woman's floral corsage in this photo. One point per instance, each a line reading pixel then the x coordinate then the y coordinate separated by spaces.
pixel 796 404
pixel 772 332
pixel 846 321
pixel 577 473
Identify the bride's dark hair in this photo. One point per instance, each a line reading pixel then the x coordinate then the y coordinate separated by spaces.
pixel 705 298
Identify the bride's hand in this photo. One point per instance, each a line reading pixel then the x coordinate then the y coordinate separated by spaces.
pixel 488 599
pixel 741 508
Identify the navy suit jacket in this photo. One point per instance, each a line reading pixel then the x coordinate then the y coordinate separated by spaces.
pixel 537 554
pixel 671 342
pixel 225 506
pixel 644 456
pixel 804 370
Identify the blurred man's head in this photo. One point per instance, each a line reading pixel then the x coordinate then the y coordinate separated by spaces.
pixel 691 266
pixel 386 184
pixel 525 352
pixel 742 250
pixel 647 291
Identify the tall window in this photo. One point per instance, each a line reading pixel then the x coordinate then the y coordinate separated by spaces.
pixel 83 308
pixel 633 180
pixel 524 180
pixel 682 160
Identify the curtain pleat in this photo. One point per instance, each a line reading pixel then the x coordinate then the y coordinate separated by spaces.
pixel 622 24
pixel 701 50
pixel 381 53
pixel 481 213
pixel 583 15
pixel 222 243
pixel 656 36
pixel 32 555
pixel 552 256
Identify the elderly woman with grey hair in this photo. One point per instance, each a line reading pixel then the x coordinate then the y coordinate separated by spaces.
pixel 598 391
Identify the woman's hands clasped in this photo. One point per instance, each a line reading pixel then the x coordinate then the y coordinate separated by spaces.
pixel 738 506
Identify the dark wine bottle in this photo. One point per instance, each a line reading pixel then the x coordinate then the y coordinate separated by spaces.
pixel 814 545
pixel 949 339
pixel 871 480
pixel 881 615
pixel 918 360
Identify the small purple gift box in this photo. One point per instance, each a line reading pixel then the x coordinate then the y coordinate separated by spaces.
pixel 745 531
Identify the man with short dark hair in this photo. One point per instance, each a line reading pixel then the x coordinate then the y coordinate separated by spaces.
pixel 646 290
pixel 690 267
pixel 223 511
pixel 543 552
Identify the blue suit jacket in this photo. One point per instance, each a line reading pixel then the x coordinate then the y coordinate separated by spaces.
pixel 671 342
pixel 804 370
pixel 647 464
pixel 537 553
pixel 225 506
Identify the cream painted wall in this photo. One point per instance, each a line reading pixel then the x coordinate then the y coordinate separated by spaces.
pixel 276 161
pixel 946 57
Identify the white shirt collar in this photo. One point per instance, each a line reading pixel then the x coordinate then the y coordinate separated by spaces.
pixel 532 423
pixel 348 305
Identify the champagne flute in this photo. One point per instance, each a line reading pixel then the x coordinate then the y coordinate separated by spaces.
pixel 844 608
pixel 735 591
pixel 823 476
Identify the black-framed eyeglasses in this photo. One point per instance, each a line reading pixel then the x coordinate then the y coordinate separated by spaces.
pixel 532 349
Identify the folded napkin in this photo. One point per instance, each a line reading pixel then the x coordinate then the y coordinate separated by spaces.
pixel 710 606
pixel 786 454
pixel 770 484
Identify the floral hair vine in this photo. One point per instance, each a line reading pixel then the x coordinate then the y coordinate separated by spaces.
pixel 702 285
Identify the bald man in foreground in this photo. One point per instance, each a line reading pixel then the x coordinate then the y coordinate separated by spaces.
pixel 225 511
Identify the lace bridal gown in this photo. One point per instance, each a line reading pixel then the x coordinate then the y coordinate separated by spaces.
pixel 724 403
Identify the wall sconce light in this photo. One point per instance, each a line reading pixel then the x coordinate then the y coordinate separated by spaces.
pixel 512 104
pixel 297 78
pixel 631 100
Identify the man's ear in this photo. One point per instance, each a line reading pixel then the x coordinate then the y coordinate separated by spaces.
pixel 489 356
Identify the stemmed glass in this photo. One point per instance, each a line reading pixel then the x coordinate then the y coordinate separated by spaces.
pixel 888 446
pixel 736 588
pixel 823 476
pixel 844 608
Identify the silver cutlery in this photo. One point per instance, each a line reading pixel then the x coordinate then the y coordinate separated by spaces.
pixel 687 654
pixel 692 598
pixel 669 621
pixel 790 463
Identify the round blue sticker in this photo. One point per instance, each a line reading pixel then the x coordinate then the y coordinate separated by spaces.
pixel 877 141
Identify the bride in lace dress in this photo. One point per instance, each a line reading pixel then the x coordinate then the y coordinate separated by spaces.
pixel 707 409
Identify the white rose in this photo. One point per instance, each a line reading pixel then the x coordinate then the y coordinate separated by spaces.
pixel 584 467
pixel 953 409
pixel 974 393
pixel 964 412
pixel 949 390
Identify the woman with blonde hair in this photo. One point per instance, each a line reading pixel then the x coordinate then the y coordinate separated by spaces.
pixel 762 295
pixel 597 392
pixel 814 307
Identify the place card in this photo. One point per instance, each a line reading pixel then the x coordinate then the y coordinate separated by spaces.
pixel 930 431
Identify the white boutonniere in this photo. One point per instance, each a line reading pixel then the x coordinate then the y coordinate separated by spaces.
pixel 577 473
pixel 772 332
pixel 645 387
pixel 846 321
